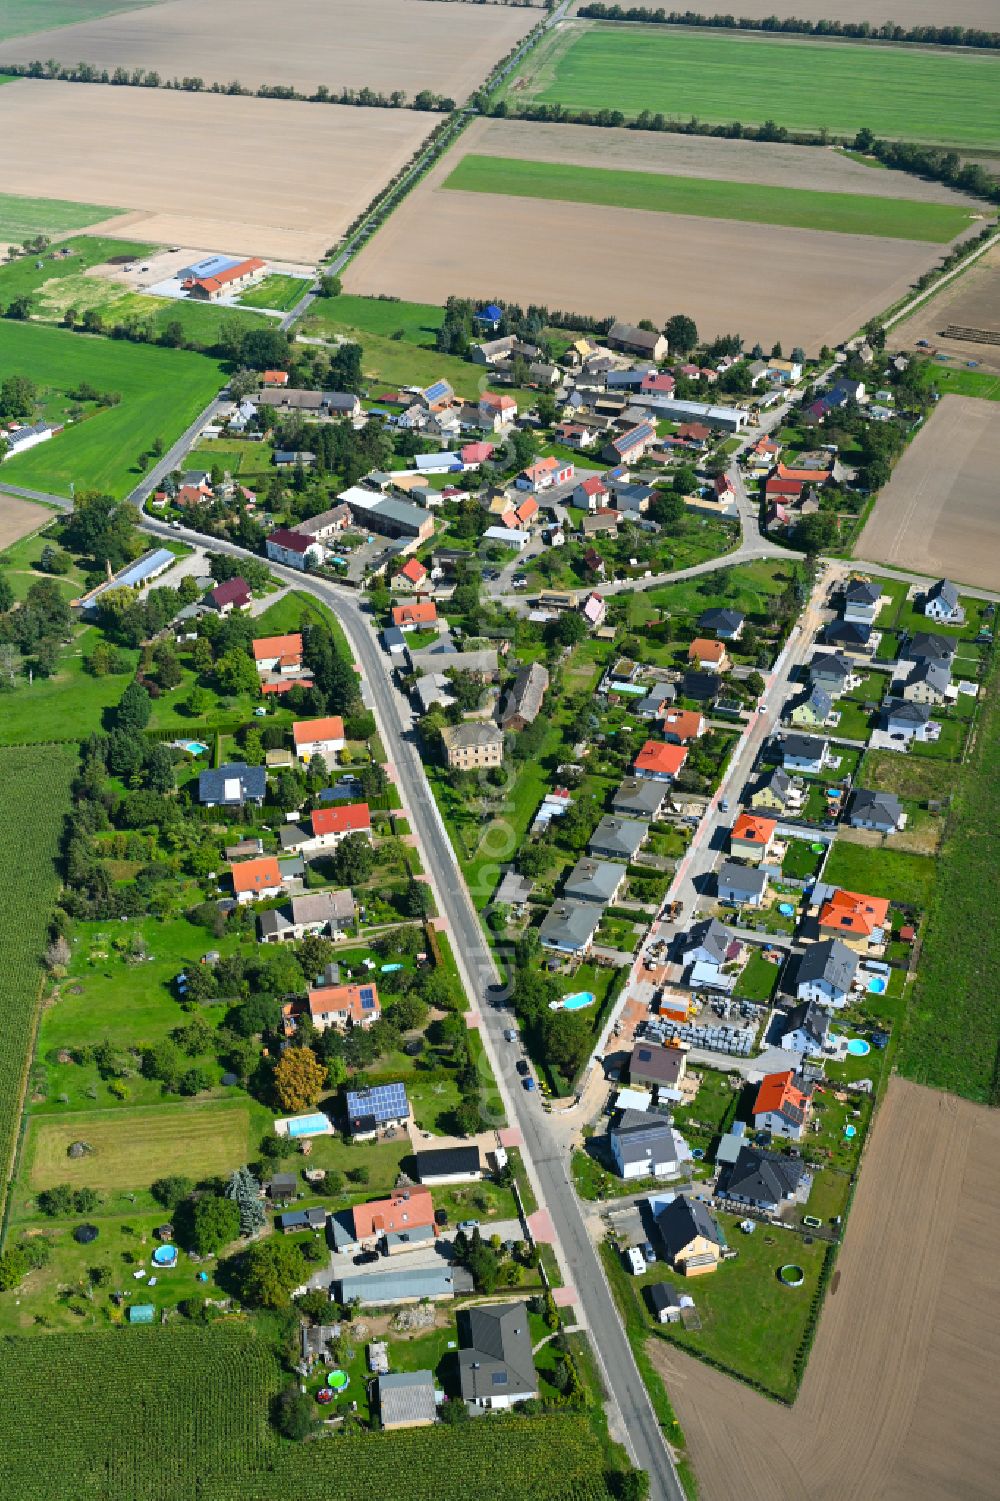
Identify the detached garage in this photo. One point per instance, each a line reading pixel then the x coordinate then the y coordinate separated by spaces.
pixel 449 1165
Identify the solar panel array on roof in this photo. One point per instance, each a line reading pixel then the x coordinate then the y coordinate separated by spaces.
pixel 439 389
pixel 367 995
pixel 385 1102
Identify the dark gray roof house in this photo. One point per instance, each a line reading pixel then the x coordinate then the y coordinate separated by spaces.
pixel 495 1364
pixel 875 810
pixel 618 838
pixel 900 714
pixel 706 940
pixel 941 601
pixel 809 1023
pixel 761 1179
pixel 803 752
pixel 827 967
pixel 682 1221
pixel 830 670
pixel 232 785
pixel 927 646
pixel 640 797
pixel 651 1063
pixel 659 695
pixel 934 675
pixel 854 635
pixel 861 594
pixel 641 1140
pixel 725 625
pixel 742 884
pixel 524 697
pixel 594 881
pixel 703 687
pixel 449 1165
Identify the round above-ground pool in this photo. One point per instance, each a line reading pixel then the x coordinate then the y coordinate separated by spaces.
pixel 858 1047
pixel 339 1380
pixel 850 1132
pixel 165 1256
pixel 876 985
pixel 791 1275
pixel 786 909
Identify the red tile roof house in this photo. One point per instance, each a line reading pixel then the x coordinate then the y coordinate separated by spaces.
pixel 279 663
pixel 527 511
pixel 723 487
pixel 544 473
pixel 589 493
pixel 406 1209
pixel 659 761
pixel 710 656
pixel 474 454
pixel 234 594
pixel 419 612
pixel 681 725
pixel 413 575
pixel 777 488
pixel 332 825
pixel 657 383
pixel 594 609
pixel 274 378
pixel 318 737
pixel 254 880
pixel 752 837
pixel 496 411
pixel 223 283
pixel 630 446
pixel 782 1105
pixel 344 1006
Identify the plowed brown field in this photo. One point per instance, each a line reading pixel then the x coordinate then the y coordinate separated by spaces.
pixel 382 44
pixel 900 1395
pixel 261 177
pixel 18 518
pixel 939 514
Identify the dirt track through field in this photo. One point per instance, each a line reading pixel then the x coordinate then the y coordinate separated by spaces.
pixel 765 162
pixel 940 514
pixel 900 1395
pixel 379 44
pixel 251 176
pixel 18 518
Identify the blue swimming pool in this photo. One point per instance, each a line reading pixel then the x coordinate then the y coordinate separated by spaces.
pixel 308 1125
pixel 858 1048
pixel 876 985
pixel 578 1000
pixel 195 747
pixel 850 1131
pixel 786 909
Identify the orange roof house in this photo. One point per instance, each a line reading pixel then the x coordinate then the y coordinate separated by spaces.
pixel 252 878
pixel 804 476
pixel 710 655
pixel 274 378
pixel 781 1106
pixel 853 917
pixel 336 823
pixel 214 286
pixel 751 836
pixel 279 650
pixel 405 1209
pixel 318 736
pixel 344 1006
pixel 527 510
pixel 660 761
pixel 681 725
pixel 420 612
pixel 413 572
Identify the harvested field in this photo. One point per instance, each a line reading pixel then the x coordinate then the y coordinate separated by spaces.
pixel 905 1363
pixel 939 513
pixel 268 186
pixel 18 518
pixel 972 301
pixel 132 1148
pixel 976 13
pixel 378 44
pixel 769 163
pixel 797 285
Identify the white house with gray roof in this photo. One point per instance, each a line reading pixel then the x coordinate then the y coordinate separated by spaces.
pixel 496 1368
pixel 941 604
pixel 569 927
pixel 742 885
pixel 881 811
pixel 638 797
pixel 826 972
pixel 645 1145
pixel 598 881
pixel 806 1028
pixel 618 838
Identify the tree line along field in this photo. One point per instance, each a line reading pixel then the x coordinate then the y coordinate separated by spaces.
pixel 951 1037
pixel 917 94
pixel 162 391
pixel 176 1413
pixel 34 797
pixel 844 213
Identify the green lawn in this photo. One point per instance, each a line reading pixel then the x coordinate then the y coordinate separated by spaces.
pixel 22 217
pixel 897 874
pixel 758 979
pixel 280 293
pixel 919 94
pixel 844 213
pixel 68 705
pixel 418 322
pixel 162 390
pixel 22 17
pixel 952 1028
pixel 955 381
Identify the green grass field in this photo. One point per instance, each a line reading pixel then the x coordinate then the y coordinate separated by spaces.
pixel 956 381
pixel 34 795
pixel 921 95
pixel 418 322
pixel 280 293
pixel 952 1029
pixel 132 1148
pixel 22 17
pixel 22 217
pixel 162 391
pixel 843 213
pixel 898 874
